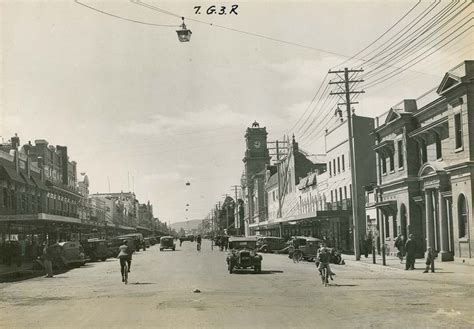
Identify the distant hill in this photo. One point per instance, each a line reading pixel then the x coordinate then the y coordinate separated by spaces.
pixel 187 225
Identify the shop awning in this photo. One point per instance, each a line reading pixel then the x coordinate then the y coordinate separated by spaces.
pixel 27 179
pixel 62 189
pixel 39 183
pixel 12 175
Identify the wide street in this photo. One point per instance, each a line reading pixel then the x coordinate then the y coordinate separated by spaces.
pixel 285 295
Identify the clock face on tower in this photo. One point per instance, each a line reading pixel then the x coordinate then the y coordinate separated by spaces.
pixel 256 144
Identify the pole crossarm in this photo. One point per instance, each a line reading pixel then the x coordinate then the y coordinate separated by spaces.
pixel 349 103
pixel 347 92
pixel 350 81
pixel 346 70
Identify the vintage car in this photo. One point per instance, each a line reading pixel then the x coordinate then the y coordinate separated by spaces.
pixel 188 237
pixel 147 242
pixel 306 247
pixel 138 240
pixel 270 243
pixel 243 254
pixel 73 253
pixel 167 242
pixel 114 244
pixel 96 249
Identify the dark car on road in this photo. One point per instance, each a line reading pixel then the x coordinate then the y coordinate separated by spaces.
pixel 96 249
pixel 167 242
pixel 243 254
pixel 306 247
pixel 270 243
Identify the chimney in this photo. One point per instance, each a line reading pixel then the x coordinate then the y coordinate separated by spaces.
pixel 15 142
pixel 28 163
pixel 409 105
pixel 294 144
pixel 16 159
pixel 64 163
pixel 41 166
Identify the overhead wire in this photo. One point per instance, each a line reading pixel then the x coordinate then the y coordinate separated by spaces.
pixel 460 52
pixel 158 9
pixel 403 43
pixel 396 55
pixel 382 35
pixel 383 79
pixel 121 17
pixel 390 41
pixel 309 105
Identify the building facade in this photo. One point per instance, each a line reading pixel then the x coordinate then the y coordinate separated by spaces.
pixel 425 167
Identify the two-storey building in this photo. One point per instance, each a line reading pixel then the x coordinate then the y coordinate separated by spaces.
pixel 425 163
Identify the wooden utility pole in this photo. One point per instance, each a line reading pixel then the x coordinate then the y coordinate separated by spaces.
pixel 236 211
pixel 345 94
pixel 281 148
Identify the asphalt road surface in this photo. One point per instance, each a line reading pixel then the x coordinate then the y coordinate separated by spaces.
pixel 285 295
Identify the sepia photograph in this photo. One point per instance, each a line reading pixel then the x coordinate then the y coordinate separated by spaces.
pixel 236 164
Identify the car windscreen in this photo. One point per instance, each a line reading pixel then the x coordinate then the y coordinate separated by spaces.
pixel 243 244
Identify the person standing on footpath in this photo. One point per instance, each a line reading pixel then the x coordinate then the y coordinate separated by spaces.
pixel 400 245
pixel 48 259
pixel 430 258
pixel 410 249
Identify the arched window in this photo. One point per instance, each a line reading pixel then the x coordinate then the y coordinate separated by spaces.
pixel 462 216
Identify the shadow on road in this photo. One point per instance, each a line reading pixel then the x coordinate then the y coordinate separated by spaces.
pixel 342 285
pixel 142 283
pixel 252 272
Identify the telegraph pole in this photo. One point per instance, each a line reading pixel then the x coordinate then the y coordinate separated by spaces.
pixel 345 94
pixel 236 211
pixel 281 148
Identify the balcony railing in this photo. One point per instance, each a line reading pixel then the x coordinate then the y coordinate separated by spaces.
pixel 345 204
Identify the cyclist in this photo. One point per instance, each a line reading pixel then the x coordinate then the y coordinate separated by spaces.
pixel 124 255
pixel 323 257
pixel 198 240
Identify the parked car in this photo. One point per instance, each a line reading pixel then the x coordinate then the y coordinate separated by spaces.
pixel 137 239
pixel 167 242
pixel 243 254
pixel 308 247
pixel 270 243
pixel 153 240
pixel 147 242
pixel 114 244
pixel 96 249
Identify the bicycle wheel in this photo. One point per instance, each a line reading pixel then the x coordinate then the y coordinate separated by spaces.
pixel 297 256
pixel 125 273
pixel 323 275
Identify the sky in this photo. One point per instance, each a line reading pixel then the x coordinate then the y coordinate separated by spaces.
pixel 140 109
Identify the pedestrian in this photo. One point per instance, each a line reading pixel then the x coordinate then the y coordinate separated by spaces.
pixel 410 249
pixel 430 258
pixel 48 259
pixel 367 245
pixel 400 245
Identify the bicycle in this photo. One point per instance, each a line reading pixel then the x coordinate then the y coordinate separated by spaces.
pixel 324 273
pixel 125 273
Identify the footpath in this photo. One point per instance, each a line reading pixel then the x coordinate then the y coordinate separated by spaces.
pixel 14 272
pixel 393 263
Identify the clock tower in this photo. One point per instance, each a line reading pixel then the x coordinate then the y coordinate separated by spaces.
pixel 255 161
